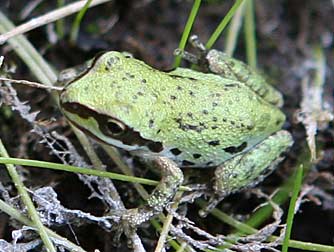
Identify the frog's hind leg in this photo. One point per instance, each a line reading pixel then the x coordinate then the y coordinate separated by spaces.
pixel 250 168
pixel 220 63
pixel 172 178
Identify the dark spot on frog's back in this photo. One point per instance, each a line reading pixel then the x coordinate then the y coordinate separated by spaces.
pixel 214 143
pixel 175 151
pixel 150 123
pixel 187 163
pixel 129 75
pixel 189 114
pixel 155 146
pixel 185 126
pixel 236 149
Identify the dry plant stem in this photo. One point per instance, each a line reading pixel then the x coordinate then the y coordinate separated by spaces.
pixel 135 239
pixel 36 64
pixel 250 39
pixel 45 74
pixel 27 202
pixel 28 8
pixel 137 245
pixel 113 153
pixel 14 213
pixel 94 159
pixel 48 18
pixel 167 223
pixel 234 29
pixel 31 84
pixel 313 112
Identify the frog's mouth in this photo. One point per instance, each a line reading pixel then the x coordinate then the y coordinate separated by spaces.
pixel 107 129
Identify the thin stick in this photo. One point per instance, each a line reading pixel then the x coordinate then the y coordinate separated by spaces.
pixel 48 18
pixel 33 214
pixel 32 84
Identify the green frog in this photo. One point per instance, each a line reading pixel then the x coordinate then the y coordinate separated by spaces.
pixel 227 118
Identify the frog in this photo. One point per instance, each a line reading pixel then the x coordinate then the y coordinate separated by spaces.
pixel 225 117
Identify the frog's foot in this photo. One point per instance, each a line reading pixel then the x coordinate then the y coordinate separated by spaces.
pixel 172 178
pixel 249 168
pixel 192 58
pixel 199 58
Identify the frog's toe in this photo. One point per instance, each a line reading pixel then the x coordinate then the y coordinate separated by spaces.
pixel 186 56
pixel 127 221
pixel 197 44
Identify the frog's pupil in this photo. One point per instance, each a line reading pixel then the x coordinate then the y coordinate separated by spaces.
pixel 114 127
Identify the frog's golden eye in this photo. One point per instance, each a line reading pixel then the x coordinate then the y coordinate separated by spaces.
pixel 115 128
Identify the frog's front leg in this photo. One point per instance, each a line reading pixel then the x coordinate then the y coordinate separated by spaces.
pixel 250 168
pixel 171 180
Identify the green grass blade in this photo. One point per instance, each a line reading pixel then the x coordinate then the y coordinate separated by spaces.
pixel 291 212
pixel 234 30
pixel 263 213
pixel 81 170
pixel 60 24
pixel 215 35
pixel 15 214
pixel 187 30
pixel 77 21
pixel 27 202
pixel 249 25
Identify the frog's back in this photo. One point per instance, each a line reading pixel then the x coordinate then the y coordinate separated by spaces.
pixel 194 118
pixel 210 119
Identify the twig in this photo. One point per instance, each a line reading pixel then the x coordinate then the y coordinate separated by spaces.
pixel 48 18
pixel 31 84
pixel 167 223
pixel 14 213
pixel 27 202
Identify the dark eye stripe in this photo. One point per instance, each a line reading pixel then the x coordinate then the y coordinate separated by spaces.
pixel 127 137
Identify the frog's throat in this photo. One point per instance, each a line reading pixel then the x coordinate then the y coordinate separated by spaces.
pixel 129 140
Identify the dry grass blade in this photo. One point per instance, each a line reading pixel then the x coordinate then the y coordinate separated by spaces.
pixel 48 18
pixel 314 112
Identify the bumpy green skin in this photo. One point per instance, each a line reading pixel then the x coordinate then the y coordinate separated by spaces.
pixel 227 67
pixel 228 118
pixel 200 119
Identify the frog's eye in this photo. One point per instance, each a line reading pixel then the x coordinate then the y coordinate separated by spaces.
pixel 115 128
